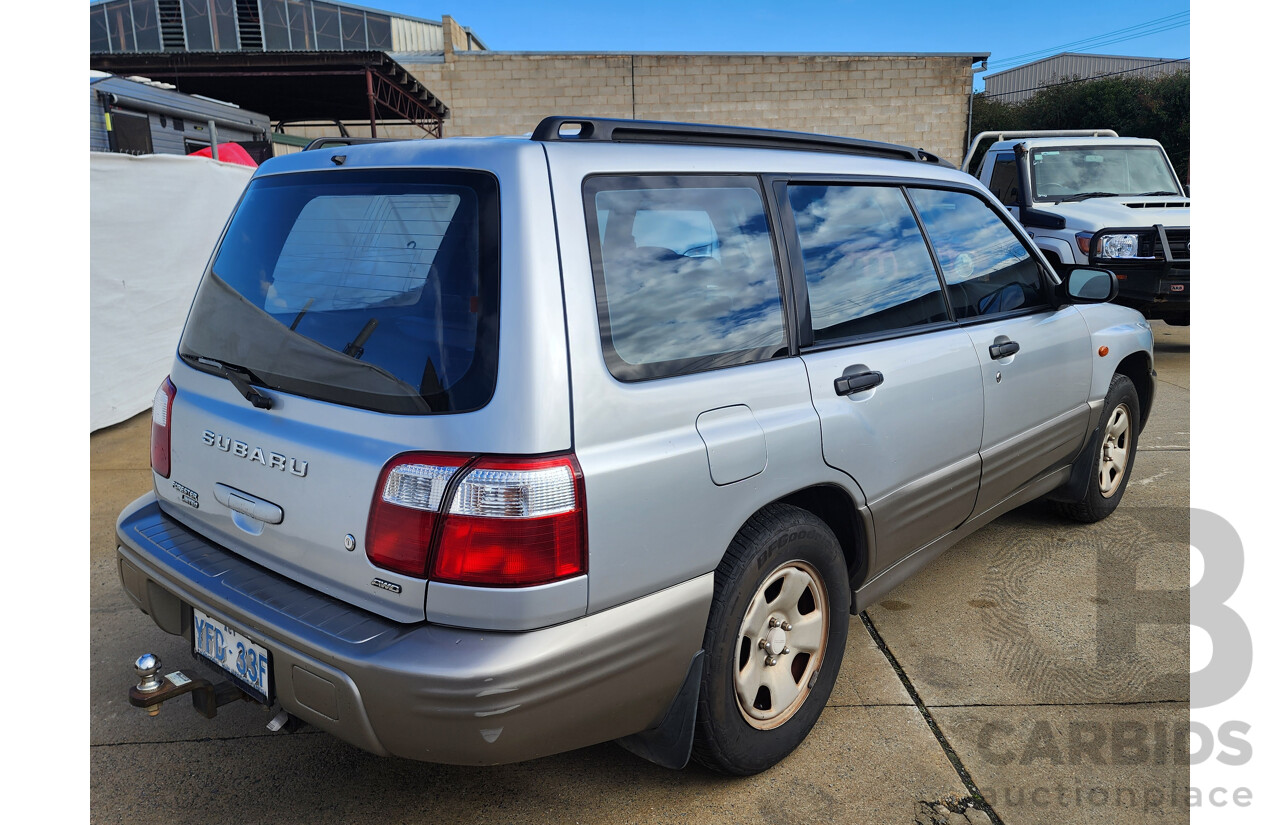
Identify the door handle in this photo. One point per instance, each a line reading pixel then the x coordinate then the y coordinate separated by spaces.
pixel 1003 349
pixel 848 384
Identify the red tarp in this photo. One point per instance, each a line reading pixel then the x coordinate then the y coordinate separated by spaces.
pixel 229 153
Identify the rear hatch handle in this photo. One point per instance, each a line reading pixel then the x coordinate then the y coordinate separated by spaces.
pixel 247 504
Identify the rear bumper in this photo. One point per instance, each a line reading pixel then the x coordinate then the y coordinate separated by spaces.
pixel 424 691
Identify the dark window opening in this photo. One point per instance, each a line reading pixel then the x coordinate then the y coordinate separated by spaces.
pixel 146 26
pixel 130 133
pixel 198 24
pixel 1004 179
pixel 353 36
pixel 328 27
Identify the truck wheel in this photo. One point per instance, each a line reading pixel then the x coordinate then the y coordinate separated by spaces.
pixel 774 640
pixel 1110 453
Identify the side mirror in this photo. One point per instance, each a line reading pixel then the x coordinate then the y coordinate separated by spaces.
pixel 1090 285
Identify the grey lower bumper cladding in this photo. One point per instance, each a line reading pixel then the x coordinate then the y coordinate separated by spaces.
pixel 424 691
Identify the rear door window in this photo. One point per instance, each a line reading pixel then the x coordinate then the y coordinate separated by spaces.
pixel 866 266
pixel 685 273
pixel 372 289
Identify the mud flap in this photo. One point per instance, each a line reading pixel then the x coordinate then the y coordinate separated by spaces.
pixel 671 742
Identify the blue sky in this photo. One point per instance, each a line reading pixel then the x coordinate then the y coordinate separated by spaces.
pixel 1007 30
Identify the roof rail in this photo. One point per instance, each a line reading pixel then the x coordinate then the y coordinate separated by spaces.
pixel 327 142
pixel 998 135
pixel 618 130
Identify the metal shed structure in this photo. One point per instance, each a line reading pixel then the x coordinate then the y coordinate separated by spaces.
pixel 127 26
pixel 296 60
pixel 1020 83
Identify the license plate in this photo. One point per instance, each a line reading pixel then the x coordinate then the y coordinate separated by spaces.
pixel 246 661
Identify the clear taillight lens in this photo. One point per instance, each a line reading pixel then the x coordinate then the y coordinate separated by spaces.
pixel 405 508
pixel 161 413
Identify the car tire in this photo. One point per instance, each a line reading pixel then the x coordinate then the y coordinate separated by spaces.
pixel 774 640
pixel 1110 454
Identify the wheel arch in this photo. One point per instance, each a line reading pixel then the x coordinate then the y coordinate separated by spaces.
pixel 1136 366
pixel 839 511
pixel 1056 250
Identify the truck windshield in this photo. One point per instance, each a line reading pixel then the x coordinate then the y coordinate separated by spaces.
pixel 1058 174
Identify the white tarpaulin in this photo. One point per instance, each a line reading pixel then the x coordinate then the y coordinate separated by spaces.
pixel 153 221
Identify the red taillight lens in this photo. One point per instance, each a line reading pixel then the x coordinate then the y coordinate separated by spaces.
pixel 161 414
pixel 514 523
pixel 405 508
pixel 510 522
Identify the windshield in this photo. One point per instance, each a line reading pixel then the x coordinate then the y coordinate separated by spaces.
pixel 1058 174
pixel 374 289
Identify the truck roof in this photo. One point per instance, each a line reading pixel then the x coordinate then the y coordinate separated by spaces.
pixel 1041 142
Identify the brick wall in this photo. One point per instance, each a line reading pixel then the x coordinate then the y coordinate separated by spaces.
pixel 915 100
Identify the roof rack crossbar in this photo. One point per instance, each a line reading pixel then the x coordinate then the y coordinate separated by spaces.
pixel 1007 134
pixel 617 130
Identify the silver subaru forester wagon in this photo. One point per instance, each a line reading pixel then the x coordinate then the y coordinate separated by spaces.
pixel 479 450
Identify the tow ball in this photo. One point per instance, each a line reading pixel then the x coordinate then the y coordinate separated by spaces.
pixel 153 690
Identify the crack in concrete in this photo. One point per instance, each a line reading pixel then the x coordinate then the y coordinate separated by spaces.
pixel 1067 704
pixel 199 739
pixel 975 796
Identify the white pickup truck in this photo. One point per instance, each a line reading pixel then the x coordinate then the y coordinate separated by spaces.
pixel 1092 197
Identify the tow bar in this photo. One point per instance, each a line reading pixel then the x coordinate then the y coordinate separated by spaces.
pixel 152 690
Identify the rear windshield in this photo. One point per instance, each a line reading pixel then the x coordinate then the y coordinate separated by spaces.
pixel 374 289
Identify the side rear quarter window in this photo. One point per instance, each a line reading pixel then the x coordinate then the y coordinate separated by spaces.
pixel 685 273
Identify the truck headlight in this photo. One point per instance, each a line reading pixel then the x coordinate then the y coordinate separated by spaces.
pixel 1118 246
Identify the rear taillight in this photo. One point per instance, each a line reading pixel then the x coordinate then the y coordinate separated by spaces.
pixel 515 522
pixel 508 522
pixel 161 414
pixel 405 507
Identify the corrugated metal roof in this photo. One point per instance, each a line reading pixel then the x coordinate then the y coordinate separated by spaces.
pixel 416 57
pixel 353 6
pixel 1020 83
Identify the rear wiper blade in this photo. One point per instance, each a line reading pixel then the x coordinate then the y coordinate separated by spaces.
pixel 240 378
pixel 356 348
pixel 1085 196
